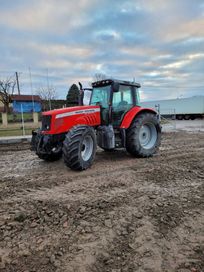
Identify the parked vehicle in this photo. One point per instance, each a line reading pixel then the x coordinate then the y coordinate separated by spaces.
pixel 113 119
pixel 181 108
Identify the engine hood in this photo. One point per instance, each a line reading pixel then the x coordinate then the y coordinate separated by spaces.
pixel 73 110
pixel 62 120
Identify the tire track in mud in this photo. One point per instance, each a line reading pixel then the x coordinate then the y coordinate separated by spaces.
pixel 27 184
pixel 161 169
pixel 123 214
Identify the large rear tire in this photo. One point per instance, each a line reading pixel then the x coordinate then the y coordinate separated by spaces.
pixel 79 147
pixel 144 135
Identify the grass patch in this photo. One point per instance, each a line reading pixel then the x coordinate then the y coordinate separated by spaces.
pixel 166 121
pixel 15 132
pixel 16 117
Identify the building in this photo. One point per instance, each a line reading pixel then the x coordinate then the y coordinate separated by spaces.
pixel 26 103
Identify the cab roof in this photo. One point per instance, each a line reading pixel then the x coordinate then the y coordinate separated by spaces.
pixel 106 82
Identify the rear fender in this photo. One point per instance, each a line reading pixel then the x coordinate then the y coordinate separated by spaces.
pixel 131 114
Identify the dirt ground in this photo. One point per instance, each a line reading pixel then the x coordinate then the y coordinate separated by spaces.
pixel 185 125
pixel 123 214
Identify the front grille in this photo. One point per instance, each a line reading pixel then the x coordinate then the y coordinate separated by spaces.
pixel 46 122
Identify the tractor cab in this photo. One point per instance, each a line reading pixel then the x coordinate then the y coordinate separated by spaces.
pixel 115 98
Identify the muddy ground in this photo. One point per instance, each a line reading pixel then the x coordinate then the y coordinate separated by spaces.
pixel 123 214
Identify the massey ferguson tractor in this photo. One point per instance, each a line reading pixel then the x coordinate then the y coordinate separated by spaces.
pixel 113 120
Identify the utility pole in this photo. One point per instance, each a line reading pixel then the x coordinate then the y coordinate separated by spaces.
pixel 31 86
pixel 22 120
pixel 16 73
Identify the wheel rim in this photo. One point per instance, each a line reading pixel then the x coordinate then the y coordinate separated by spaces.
pixel 87 148
pixel 148 135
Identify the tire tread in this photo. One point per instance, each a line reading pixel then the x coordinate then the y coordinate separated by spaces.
pixel 71 147
pixel 133 145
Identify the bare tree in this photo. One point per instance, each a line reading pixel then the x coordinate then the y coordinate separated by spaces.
pixel 6 90
pixel 99 76
pixel 47 95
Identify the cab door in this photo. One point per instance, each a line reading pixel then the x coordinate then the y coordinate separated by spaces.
pixel 101 97
pixel 122 102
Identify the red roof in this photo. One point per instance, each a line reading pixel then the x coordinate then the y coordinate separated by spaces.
pixel 27 98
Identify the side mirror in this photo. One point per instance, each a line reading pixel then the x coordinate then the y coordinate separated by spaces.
pixel 116 86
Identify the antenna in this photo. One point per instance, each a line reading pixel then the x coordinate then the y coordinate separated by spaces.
pixel 48 89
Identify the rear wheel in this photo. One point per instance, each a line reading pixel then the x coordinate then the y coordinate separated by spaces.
pixel 144 135
pixel 79 147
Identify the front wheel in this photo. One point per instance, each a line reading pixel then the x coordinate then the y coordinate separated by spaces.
pixel 79 147
pixel 144 135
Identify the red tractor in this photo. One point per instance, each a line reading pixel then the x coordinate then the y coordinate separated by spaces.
pixel 113 119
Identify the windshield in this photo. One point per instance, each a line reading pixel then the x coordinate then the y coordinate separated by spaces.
pixel 101 96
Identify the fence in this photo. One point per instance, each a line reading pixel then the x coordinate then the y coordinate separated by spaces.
pixel 18 120
pixel 168 118
pixel 17 117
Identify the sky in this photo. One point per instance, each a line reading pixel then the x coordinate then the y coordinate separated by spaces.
pixel 159 43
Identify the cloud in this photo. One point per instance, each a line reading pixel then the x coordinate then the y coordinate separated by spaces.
pixel 107 35
pixel 52 15
pixel 60 50
pixel 192 31
pixel 160 43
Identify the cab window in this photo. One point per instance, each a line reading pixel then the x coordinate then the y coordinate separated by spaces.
pixel 100 96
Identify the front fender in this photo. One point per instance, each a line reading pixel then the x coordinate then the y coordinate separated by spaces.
pixel 130 115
